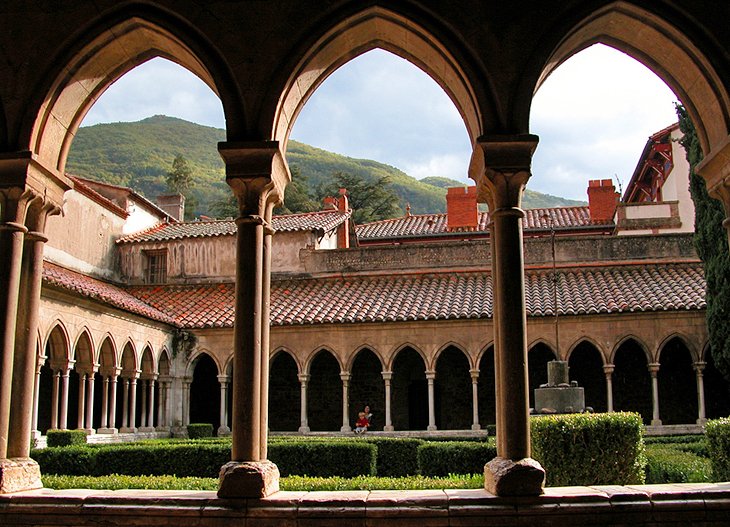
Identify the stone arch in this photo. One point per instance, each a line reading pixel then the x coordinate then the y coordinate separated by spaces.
pixel 288 351
pixel 453 401
pixel 587 340
pixel 107 355
pixel 662 47
pixel 452 344
pixel 489 347
pixel 147 361
pixel 285 395
pixel 538 355
pixel 367 387
pixel 631 380
pixel 205 390
pixel 585 363
pixel 695 354
pixel 407 345
pixel 409 390
pixel 84 351
pixel 57 350
pixel 129 361
pixel 486 386
pixel 677 382
pixel 376 27
pixel 58 347
pixel 351 358
pixel 110 47
pixel 164 363
pixel 190 366
pixel 307 364
pixel 626 338
pixel 324 393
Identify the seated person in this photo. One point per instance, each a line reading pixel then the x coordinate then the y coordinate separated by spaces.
pixel 362 423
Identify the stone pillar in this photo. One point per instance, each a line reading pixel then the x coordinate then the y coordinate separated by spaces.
pixel 223 428
pixel 303 419
pixel 257 173
pixel 653 371
pixel 265 328
pixel 143 383
pixel 475 399
pixel 151 403
pixel 714 169
pixel 500 165
pixel 387 377
pixel 81 411
pixel 164 412
pixel 90 403
pixel 36 396
pixel 113 404
pixel 186 401
pixel 125 405
pixel 133 404
pixel 608 371
pixel 105 403
pixel 699 368
pixel 345 376
pixel 430 378
pixel 55 398
pixel 63 424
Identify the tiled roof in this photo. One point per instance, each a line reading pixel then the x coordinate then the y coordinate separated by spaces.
pixel 435 224
pixel 324 220
pixel 631 288
pixel 86 286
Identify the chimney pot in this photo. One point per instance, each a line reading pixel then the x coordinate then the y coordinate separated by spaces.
pixel 462 213
pixel 602 200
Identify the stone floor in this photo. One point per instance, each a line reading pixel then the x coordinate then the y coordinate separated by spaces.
pixel 677 504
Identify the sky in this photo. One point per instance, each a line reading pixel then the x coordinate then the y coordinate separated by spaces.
pixel 593 115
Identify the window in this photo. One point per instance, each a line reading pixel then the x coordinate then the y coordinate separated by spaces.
pixel 156 266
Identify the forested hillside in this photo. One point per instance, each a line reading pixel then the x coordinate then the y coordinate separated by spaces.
pixel 140 154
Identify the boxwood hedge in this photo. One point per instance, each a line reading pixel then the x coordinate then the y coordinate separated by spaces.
pixel 718 444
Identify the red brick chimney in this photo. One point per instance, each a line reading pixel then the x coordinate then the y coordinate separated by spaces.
pixel 602 200
pixel 462 213
pixel 342 204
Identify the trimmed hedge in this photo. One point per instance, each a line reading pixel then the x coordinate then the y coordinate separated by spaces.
pixel 200 430
pixel 454 457
pixel 324 458
pixel 718 444
pixel 589 449
pixel 65 437
pixel 397 457
pixel 667 464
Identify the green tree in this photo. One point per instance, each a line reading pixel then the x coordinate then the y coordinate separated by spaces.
pixel 180 178
pixel 370 199
pixel 297 197
pixel 711 243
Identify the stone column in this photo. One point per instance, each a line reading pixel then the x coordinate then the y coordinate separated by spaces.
pixel 303 419
pixel 90 403
pixel 113 403
pixel 186 401
pixel 13 207
pixel 345 376
pixel 699 368
pixel 265 328
pixel 55 398
pixel 125 405
pixel 475 399
pixel 500 165
pixel 387 377
pixel 81 410
pixel 151 404
pixel 608 371
pixel 105 403
pixel 653 371
pixel 257 173
pixel 430 378
pixel 143 383
pixel 163 422
pixel 714 170
pixel 36 396
pixel 133 404
pixel 223 428
pixel 63 424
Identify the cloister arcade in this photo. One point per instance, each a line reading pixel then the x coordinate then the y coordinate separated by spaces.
pixel 490 64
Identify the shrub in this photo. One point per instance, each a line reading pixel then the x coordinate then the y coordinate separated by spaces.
pixel 396 456
pixel 200 430
pixel 718 445
pixel 74 460
pixel 589 449
pixel 673 440
pixel 65 437
pixel 667 464
pixel 454 457
pixel 324 458
pixel 698 448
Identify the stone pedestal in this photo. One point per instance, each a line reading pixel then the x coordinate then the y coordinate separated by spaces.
pixel 19 474
pixel 248 479
pixel 504 477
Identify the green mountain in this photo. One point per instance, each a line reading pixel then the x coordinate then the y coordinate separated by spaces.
pixel 139 155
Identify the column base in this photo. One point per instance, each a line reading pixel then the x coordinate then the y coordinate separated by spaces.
pixel 702 421
pixel 223 431
pixel 388 428
pixel 656 422
pixel 107 431
pixel 21 473
pixel 476 426
pixel 345 429
pixel 89 431
pixel 127 430
pixel 248 479
pixel 431 428
pixel 504 477
pixel 304 430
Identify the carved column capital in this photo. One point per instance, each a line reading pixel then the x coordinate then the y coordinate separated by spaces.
pixel 387 375
pixel 258 174
pixel 500 166
pixel 653 368
pixel 303 378
pixel 430 375
pixel 474 374
pixel 699 366
pixel 345 376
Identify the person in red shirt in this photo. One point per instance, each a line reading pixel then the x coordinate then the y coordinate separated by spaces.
pixel 362 423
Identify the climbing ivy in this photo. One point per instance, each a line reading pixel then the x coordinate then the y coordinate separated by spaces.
pixel 711 243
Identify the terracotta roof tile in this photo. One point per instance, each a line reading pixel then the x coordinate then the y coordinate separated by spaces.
pixel 324 220
pixel 439 296
pixel 435 224
pixel 113 295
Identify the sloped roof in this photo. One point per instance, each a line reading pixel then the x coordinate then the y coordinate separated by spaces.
pixel 435 296
pixel 424 225
pixel 113 295
pixel 324 220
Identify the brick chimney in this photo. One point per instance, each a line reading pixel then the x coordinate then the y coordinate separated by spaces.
pixel 173 204
pixel 462 213
pixel 602 200
pixel 342 204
